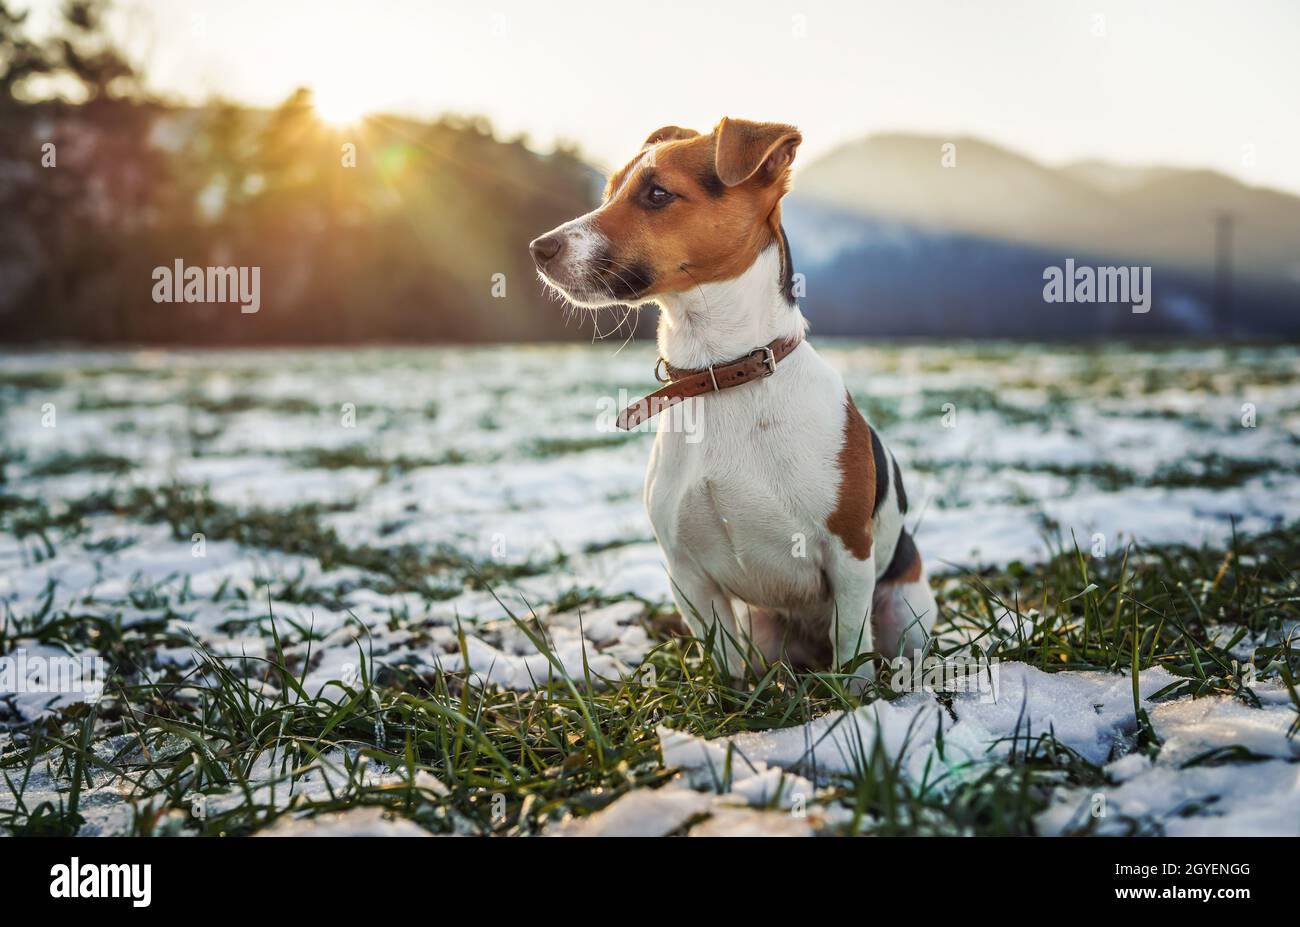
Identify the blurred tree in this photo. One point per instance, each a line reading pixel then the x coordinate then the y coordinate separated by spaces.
pixel 391 230
pixel 88 53
pixel 20 56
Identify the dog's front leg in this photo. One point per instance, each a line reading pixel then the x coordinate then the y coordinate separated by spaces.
pixel 854 585
pixel 708 611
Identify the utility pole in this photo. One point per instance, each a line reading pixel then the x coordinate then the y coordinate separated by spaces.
pixel 1223 273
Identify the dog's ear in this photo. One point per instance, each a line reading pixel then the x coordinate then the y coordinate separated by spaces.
pixel 668 134
pixel 760 150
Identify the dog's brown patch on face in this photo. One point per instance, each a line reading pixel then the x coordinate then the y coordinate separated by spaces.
pixel 707 231
pixel 851 520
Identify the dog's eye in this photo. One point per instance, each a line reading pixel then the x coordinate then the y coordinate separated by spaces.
pixel 658 196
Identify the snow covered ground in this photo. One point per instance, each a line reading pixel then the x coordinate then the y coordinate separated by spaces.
pixel 497 473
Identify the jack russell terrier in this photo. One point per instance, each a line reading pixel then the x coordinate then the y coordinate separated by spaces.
pixel 781 513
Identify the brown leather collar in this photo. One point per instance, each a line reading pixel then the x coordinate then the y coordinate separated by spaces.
pixel 683 384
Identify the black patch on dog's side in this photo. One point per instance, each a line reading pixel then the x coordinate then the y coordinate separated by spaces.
pixel 882 469
pixel 787 269
pixel 898 485
pixel 905 555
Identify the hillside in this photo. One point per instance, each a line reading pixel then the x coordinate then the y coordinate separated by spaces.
pixel 421 235
pixel 1141 215
pixel 894 243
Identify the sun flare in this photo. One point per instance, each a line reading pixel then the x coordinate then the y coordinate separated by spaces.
pixel 339 106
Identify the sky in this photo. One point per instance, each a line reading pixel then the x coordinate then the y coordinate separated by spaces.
pixel 1194 83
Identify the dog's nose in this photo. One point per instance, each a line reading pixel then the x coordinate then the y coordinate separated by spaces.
pixel 545 248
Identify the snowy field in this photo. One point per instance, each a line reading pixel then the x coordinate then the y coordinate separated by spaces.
pixel 415 591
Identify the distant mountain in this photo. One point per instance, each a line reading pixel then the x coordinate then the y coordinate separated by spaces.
pixel 1115 178
pixel 893 242
pixel 1139 214
pixel 882 277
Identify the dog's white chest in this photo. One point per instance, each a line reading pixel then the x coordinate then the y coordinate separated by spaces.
pixel 745 495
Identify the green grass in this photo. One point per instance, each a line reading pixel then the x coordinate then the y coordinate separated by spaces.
pixel 435 573
pixel 358 455
pixel 64 464
pixel 544 448
pixel 361 456
pixel 571 746
pixel 31 380
pixel 1208 471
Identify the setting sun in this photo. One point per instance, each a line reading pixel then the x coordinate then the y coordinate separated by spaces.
pixel 340 106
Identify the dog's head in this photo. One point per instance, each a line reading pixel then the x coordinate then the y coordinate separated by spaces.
pixel 688 209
